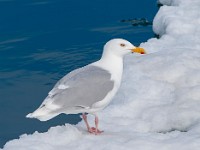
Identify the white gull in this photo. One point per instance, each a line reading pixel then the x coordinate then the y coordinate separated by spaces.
pixel 88 89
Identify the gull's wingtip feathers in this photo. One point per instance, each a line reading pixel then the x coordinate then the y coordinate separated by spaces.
pixel 29 115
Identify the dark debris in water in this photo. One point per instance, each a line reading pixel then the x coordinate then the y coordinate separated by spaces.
pixel 138 21
pixel 159 4
pixel 157 36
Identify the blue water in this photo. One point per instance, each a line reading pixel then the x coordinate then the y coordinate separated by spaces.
pixel 42 40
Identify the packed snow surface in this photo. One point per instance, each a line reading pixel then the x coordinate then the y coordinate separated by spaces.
pixel 158 104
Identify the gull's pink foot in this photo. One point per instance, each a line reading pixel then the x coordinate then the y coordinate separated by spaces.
pixel 92 130
pixel 95 131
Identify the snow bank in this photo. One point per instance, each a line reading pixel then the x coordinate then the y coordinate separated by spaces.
pixel 157 106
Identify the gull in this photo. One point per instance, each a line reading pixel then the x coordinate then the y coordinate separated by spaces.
pixel 89 89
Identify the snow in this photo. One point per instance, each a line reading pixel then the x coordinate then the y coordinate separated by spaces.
pixel 157 106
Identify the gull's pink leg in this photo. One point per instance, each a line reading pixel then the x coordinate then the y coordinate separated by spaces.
pixel 97 131
pixel 86 122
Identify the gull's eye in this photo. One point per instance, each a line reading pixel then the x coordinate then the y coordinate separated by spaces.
pixel 122 45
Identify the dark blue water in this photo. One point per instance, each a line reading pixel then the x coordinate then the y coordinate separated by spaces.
pixel 42 40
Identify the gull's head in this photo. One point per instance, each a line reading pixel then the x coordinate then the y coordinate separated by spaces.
pixel 121 47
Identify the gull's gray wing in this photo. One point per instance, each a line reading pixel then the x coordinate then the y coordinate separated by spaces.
pixel 81 88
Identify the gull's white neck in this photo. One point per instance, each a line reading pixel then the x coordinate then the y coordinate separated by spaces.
pixel 112 63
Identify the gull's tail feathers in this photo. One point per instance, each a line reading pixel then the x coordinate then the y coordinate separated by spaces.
pixel 44 112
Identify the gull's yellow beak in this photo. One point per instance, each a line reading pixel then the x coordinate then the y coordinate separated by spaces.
pixel 138 50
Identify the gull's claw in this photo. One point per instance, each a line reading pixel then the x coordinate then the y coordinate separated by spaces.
pixel 95 131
